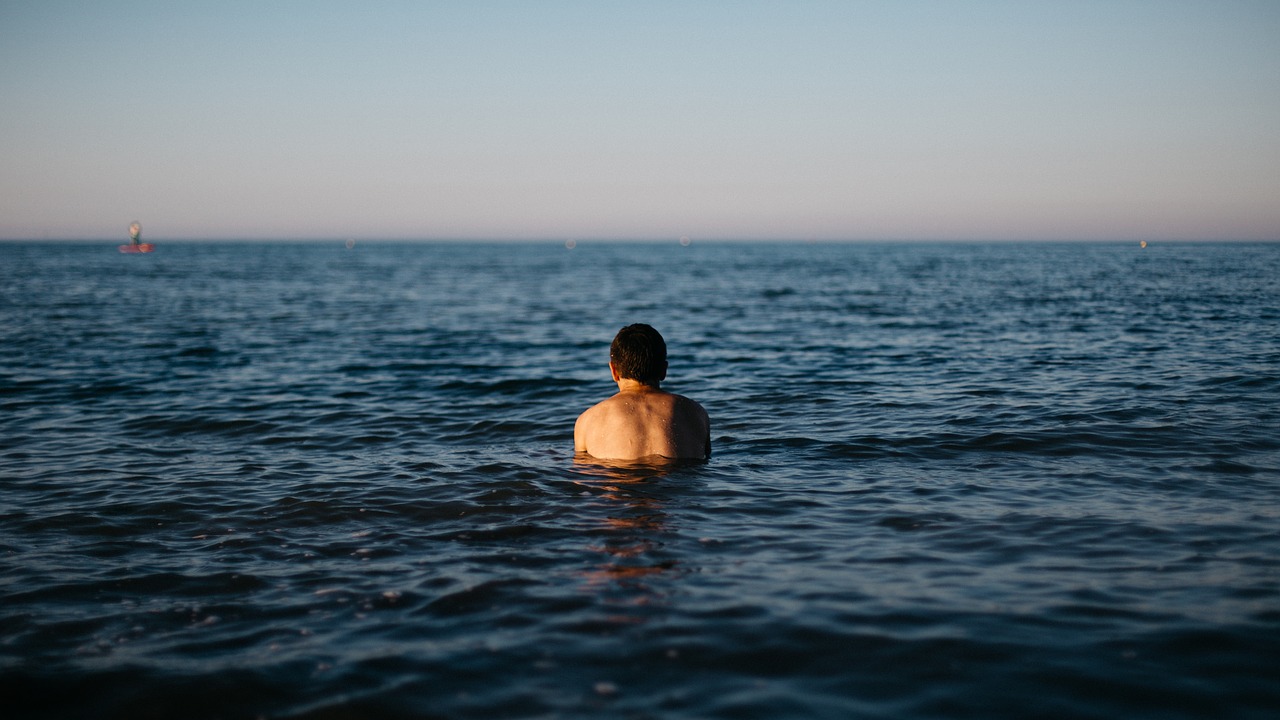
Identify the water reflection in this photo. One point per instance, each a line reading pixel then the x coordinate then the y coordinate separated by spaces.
pixel 631 535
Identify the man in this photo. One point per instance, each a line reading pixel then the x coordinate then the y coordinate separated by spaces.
pixel 642 420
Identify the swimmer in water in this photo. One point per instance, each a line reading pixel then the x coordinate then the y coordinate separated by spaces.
pixel 642 420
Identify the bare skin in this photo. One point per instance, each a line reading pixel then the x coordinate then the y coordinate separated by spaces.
pixel 643 421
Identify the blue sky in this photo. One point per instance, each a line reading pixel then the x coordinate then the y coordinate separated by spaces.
pixel 556 120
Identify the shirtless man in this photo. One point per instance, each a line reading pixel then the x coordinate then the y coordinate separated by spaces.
pixel 641 420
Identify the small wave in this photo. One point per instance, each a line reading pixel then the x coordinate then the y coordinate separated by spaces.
pixel 478 598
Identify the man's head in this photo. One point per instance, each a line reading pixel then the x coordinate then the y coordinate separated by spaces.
pixel 639 353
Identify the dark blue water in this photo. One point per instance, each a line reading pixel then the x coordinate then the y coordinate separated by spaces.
pixel 954 480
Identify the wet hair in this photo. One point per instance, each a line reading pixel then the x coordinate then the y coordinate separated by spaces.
pixel 639 353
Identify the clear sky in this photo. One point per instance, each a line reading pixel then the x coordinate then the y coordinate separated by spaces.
pixel 789 119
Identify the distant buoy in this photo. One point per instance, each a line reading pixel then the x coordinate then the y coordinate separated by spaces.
pixel 570 243
pixel 1143 244
pixel 684 241
pixel 351 243
pixel 135 240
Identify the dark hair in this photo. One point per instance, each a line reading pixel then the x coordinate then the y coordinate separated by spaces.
pixel 638 352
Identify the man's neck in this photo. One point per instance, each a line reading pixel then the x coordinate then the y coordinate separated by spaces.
pixel 635 386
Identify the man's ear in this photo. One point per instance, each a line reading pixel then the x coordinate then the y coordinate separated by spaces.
pixel 664 372
pixel 614 372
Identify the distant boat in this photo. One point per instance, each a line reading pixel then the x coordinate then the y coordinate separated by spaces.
pixel 135 240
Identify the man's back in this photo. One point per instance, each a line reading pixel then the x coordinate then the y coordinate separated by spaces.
pixel 644 422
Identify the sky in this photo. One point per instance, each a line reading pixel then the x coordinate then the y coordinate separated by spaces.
pixel 795 120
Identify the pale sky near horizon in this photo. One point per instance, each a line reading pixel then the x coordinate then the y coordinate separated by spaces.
pixel 1029 120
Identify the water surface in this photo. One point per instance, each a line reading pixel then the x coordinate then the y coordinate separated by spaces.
pixel 952 480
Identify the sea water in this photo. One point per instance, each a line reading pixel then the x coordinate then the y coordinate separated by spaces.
pixel 336 480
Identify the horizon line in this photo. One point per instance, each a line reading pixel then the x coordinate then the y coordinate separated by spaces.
pixel 682 240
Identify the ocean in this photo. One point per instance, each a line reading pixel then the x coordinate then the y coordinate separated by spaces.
pixel 951 480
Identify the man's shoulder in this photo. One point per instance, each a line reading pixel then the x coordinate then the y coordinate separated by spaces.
pixel 586 414
pixel 690 403
pixel 600 408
